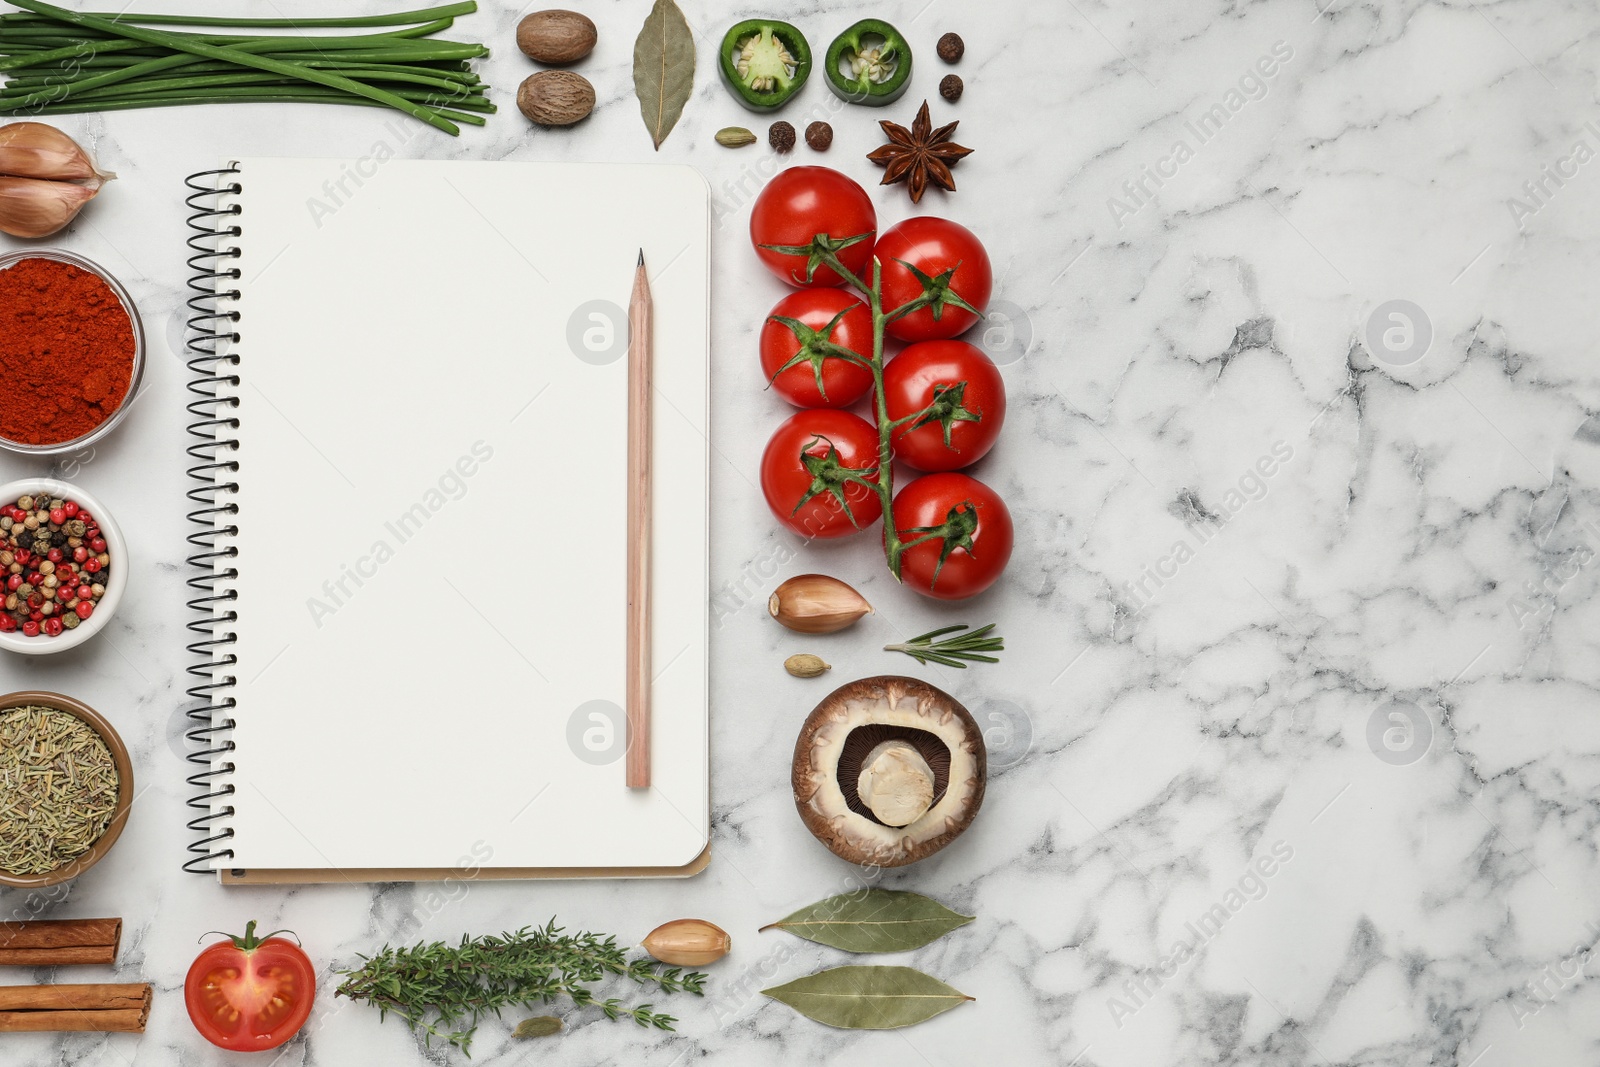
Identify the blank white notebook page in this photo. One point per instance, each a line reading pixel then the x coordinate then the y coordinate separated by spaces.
pixel 432 407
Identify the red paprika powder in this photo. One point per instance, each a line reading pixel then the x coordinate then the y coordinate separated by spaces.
pixel 66 351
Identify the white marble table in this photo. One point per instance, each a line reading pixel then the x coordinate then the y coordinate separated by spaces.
pixel 1294 764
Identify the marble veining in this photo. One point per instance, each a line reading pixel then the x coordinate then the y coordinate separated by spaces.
pixel 1296 741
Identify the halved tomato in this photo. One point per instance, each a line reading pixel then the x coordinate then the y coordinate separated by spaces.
pixel 250 993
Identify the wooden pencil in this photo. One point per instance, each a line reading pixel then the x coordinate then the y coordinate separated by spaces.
pixel 640 387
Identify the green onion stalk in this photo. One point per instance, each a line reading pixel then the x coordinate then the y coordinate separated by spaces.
pixel 63 61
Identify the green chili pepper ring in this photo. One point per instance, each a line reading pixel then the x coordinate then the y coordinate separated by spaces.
pixel 764 63
pixel 880 74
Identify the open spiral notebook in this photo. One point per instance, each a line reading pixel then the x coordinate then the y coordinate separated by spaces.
pixel 411 519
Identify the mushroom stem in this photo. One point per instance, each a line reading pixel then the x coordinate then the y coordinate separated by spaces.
pixel 896 783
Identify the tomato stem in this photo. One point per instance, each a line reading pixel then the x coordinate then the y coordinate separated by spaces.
pixel 250 941
pixel 956 531
pixel 883 481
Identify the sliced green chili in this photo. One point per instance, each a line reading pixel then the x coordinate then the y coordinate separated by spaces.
pixel 764 63
pixel 870 63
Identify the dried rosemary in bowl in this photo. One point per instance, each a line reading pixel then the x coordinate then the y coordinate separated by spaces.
pixel 58 789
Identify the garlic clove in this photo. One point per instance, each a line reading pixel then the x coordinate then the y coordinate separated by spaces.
pixel 33 207
pixel 896 783
pixel 816 604
pixel 688 943
pixel 36 150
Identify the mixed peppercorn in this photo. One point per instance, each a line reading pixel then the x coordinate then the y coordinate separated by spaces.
pixel 55 564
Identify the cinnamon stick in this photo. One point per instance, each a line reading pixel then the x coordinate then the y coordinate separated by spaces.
pixel 56 957
pixel 59 942
pixel 119 1021
pixel 117 1008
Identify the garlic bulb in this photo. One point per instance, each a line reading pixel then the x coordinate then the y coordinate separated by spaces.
pixel 45 179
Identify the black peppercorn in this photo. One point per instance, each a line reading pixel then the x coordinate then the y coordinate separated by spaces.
pixel 781 136
pixel 952 48
pixel 819 135
pixel 951 87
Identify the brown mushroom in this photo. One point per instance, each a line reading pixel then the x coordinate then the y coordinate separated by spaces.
pixel 888 770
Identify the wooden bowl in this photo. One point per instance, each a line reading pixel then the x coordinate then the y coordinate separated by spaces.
pixel 119 819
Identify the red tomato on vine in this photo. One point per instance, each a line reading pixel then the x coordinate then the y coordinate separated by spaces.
pixel 958 399
pixel 804 210
pixel 943 261
pixel 960 535
pixel 807 469
pixel 799 343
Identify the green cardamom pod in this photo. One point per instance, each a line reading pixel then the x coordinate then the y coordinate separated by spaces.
pixel 806 666
pixel 538 1026
pixel 735 137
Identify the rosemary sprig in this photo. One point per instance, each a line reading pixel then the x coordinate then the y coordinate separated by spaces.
pixel 950 652
pixel 443 991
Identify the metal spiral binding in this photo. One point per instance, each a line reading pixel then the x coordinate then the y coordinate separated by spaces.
pixel 211 328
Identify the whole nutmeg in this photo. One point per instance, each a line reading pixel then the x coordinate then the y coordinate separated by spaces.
pixel 951 87
pixel 688 943
pixel 781 136
pixel 556 97
pixel 819 135
pixel 952 48
pixel 556 37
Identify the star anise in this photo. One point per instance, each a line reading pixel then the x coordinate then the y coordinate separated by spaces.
pixel 919 155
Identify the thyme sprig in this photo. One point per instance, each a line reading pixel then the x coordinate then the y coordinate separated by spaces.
pixel 444 991
pixel 950 652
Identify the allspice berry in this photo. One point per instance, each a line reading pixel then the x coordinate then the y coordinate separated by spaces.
pixel 781 137
pixel 952 48
pixel 951 87
pixel 819 135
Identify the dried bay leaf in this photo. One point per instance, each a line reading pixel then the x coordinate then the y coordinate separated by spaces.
pixel 868 998
pixel 878 920
pixel 663 68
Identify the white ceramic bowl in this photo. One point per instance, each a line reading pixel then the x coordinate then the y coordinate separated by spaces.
pixel 115 546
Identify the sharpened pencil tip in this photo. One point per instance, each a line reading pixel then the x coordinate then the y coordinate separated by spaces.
pixel 641 257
